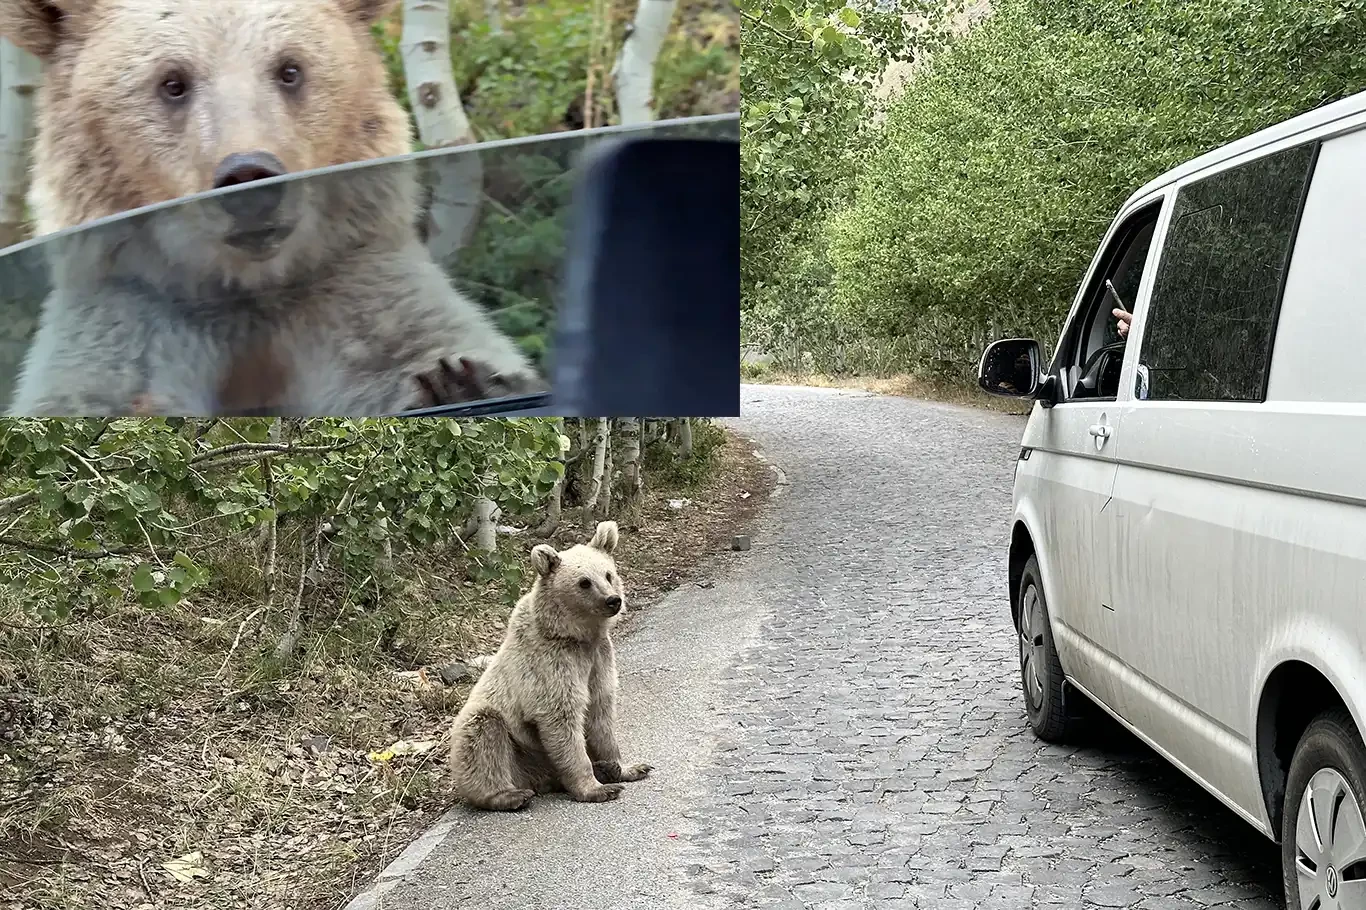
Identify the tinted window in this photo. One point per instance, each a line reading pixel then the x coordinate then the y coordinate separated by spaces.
pixel 1212 315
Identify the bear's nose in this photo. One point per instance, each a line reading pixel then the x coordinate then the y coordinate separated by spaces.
pixel 255 205
pixel 614 601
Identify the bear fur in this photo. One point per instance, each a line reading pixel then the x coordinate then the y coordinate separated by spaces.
pixel 322 301
pixel 542 717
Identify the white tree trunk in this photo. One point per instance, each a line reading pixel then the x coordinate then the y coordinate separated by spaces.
pixel 635 69
pixel 603 431
pixel 485 532
pixel 630 460
pixel 20 74
pixel 605 504
pixel 493 11
pixel 683 436
pixel 458 179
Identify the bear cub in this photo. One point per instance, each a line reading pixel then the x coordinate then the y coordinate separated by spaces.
pixel 543 715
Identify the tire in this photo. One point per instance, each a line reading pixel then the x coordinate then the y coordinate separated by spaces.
pixel 1329 769
pixel 1042 682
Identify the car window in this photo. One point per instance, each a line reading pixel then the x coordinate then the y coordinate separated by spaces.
pixel 1212 315
pixel 1093 354
pixel 329 289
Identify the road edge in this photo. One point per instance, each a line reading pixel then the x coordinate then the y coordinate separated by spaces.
pixel 372 896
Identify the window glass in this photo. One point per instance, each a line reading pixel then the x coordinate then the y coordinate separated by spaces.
pixel 1212 314
pixel 1096 348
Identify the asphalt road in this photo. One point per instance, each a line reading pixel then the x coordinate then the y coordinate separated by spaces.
pixel 836 722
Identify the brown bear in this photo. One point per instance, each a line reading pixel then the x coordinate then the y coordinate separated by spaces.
pixel 296 297
pixel 543 715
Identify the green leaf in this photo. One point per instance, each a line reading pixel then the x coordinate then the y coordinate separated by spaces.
pixel 51 498
pixel 142 579
pixel 143 499
pixel 849 17
pixel 52 465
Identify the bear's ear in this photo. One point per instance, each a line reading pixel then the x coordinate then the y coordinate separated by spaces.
pixel 368 12
pixel 605 537
pixel 544 558
pixel 39 26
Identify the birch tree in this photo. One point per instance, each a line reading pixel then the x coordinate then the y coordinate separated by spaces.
pixel 608 474
pixel 630 460
pixel 601 438
pixel 634 72
pixel 682 432
pixel 485 531
pixel 20 74
pixel 458 180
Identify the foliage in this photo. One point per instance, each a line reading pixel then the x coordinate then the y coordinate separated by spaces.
pixel 807 75
pixel 998 170
pixel 533 77
pixel 98 509
pixel 512 263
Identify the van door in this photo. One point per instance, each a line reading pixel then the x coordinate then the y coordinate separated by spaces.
pixel 1184 502
pixel 1072 446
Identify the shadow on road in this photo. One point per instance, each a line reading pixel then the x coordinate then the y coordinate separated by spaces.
pixel 1181 804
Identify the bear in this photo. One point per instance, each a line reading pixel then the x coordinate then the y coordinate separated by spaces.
pixel 299 298
pixel 542 717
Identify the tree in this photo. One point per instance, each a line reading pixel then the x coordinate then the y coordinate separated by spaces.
pixel 630 429
pixel 807 77
pixel 999 168
pixel 634 72
pixel 20 75
pixel 458 180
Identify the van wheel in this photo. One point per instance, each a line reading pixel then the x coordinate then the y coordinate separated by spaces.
pixel 1040 670
pixel 1323 831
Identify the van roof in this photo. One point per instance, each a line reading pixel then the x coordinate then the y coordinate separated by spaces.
pixel 1306 122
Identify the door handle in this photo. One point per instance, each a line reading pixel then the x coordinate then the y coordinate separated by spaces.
pixel 1100 431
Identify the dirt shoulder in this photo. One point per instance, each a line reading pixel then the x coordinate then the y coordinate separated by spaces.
pixel 136 776
pixel 904 386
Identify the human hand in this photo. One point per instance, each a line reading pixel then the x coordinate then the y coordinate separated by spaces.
pixel 1122 319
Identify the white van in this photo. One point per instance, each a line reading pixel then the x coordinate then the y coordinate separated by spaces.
pixel 1189 540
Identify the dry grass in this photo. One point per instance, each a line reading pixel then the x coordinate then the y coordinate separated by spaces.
pixel 123 749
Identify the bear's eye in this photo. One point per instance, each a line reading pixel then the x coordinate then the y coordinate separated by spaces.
pixel 585 583
pixel 175 87
pixel 609 578
pixel 290 75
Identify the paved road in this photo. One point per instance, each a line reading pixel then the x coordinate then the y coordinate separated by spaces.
pixel 836 723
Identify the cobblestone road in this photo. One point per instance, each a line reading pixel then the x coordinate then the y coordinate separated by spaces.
pixel 837 724
pixel 879 753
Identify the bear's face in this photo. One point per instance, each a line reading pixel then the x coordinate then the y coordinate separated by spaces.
pixel 582 581
pixel 147 100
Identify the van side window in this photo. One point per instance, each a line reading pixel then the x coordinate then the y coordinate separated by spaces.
pixel 1092 353
pixel 1212 313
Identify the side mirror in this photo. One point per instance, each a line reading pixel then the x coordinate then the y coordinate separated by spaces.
pixel 1011 368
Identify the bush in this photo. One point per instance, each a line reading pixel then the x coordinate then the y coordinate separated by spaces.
pixel 998 170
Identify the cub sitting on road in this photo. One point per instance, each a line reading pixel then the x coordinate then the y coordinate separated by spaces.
pixel 543 715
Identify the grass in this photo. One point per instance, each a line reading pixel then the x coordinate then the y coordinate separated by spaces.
pixel 127 743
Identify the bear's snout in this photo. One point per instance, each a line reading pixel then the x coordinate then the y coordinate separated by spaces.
pixel 614 602
pixel 253 206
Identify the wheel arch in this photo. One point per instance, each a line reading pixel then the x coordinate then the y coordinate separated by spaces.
pixel 1021 548
pixel 1294 693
